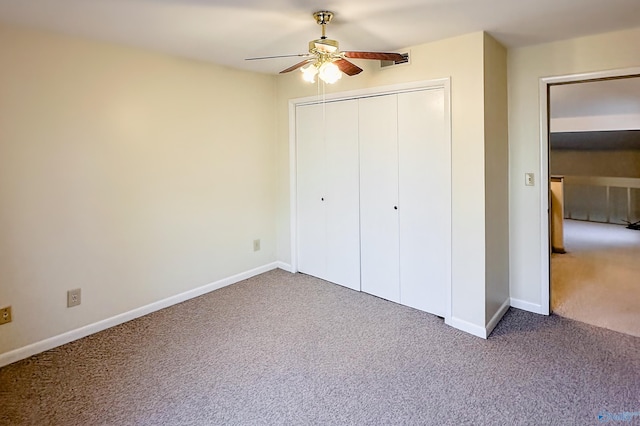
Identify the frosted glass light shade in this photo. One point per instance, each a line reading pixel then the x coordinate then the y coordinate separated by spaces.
pixel 309 73
pixel 329 73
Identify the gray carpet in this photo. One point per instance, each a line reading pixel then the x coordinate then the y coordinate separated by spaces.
pixel 291 349
pixel 598 280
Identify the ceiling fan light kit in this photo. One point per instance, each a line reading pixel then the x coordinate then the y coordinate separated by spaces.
pixel 329 72
pixel 325 58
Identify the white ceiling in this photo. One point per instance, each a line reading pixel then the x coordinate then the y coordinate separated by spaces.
pixel 596 98
pixel 228 31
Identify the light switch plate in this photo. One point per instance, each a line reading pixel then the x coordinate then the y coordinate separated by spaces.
pixel 529 179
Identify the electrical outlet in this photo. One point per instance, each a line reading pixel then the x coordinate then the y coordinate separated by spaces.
pixel 5 315
pixel 256 245
pixel 73 298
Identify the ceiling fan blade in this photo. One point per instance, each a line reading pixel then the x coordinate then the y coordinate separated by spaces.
pixel 296 66
pixel 382 56
pixel 277 56
pixel 347 67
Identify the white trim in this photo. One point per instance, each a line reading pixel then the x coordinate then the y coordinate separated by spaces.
pixel 585 76
pixel 61 339
pixel 293 188
pixel 497 316
pixel 477 330
pixel 467 327
pixel 545 239
pixel 285 267
pixel 371 91
pixel 544 169
pixel 446 84
pixel 527 306
pixel 442 83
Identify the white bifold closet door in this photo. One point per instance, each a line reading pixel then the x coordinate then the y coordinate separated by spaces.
pixel 424 185
pixel 379 197
pixel 328 192
pixel 405 201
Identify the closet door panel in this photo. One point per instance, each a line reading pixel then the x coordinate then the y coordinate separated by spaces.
pixel 311 183
pixel 342 200
pixel 379 197
pixel 425 199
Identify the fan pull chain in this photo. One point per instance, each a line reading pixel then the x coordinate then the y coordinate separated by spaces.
pixel 322 91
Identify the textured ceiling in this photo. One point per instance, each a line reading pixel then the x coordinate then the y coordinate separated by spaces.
pixel 227 31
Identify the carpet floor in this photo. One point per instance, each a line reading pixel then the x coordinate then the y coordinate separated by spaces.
pixel 598 280
pixel 291 349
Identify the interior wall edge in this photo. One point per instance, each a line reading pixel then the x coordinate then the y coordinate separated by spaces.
pixel 69 336
pixel 495 319
pixel 536 308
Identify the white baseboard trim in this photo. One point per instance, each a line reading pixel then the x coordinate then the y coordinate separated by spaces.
pixel 64 338
pixel 478 330
pixel 285 267
pixel 497 316
pixel 527 306
pixel 467 327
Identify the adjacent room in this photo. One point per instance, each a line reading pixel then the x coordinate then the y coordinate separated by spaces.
pixel 595 168
pixel 262 212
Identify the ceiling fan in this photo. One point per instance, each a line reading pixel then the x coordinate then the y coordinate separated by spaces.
pixel 325 58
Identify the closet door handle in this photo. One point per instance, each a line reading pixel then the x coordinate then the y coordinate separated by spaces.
pixel 322 199
pixel 395 207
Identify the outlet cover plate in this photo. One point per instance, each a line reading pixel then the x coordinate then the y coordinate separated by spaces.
pixel 5 315
pixel 73 298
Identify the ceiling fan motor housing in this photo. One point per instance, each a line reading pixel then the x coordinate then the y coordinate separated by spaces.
pixel 323 45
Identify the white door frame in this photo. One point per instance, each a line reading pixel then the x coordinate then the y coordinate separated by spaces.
pixel 443 83
pixel 545 82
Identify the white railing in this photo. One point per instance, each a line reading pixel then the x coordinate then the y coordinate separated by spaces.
pixel 602 199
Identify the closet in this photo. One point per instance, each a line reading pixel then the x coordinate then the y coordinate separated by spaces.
pixel 328 192
pixel 374 196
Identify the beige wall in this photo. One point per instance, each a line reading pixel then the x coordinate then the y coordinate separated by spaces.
pixel 462 59
pixel 132 175
pixel 594 123
pixel 526 66
pixel 623 163
pixel 496 183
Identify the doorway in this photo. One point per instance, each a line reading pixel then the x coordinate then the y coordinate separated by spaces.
pixel 593 160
